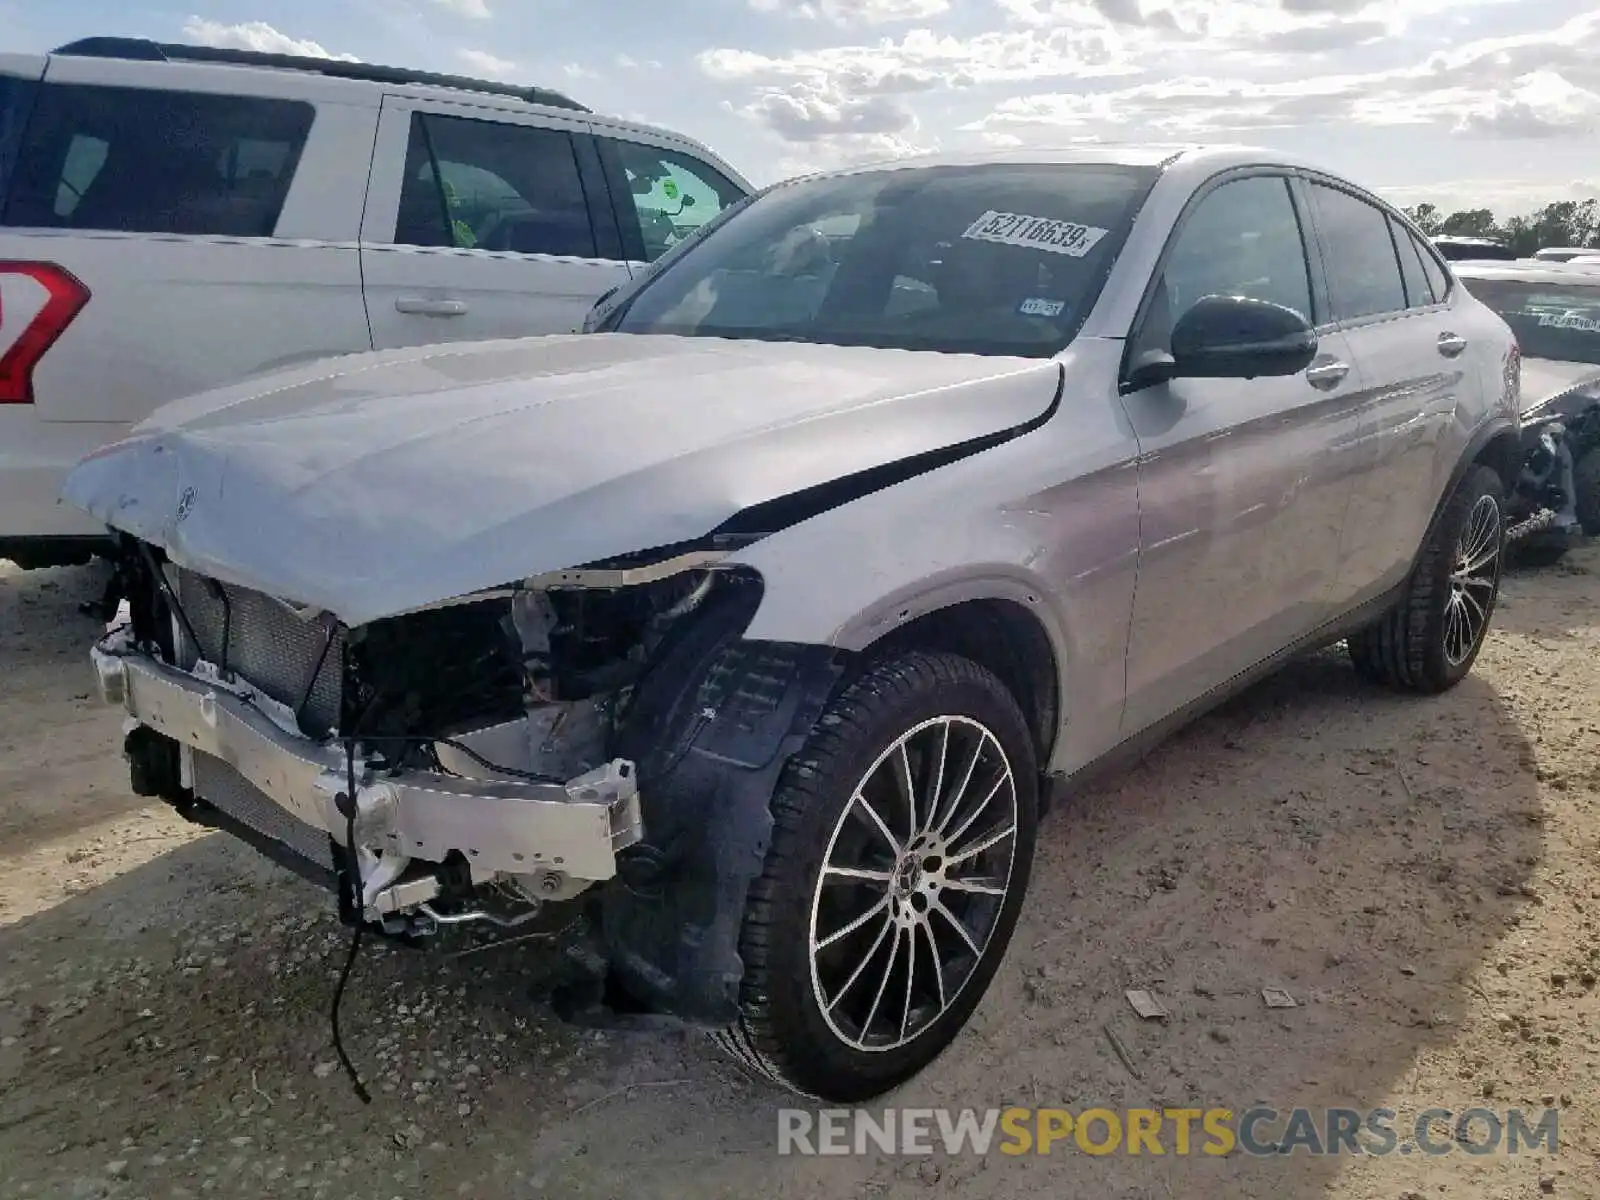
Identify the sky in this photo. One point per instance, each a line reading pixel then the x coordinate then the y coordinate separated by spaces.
pixel 1464 103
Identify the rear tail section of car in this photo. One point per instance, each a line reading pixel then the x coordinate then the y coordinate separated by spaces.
pixel 38 299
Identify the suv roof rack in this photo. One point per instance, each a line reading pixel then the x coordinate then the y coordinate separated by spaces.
pixel 151 51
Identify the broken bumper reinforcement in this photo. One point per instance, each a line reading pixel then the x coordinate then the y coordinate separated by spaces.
pixel 575 828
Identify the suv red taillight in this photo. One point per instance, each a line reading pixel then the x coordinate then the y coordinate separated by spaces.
pixel 37 302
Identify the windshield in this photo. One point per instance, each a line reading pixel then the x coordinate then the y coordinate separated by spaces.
pixel 996 259
pixel 1551 320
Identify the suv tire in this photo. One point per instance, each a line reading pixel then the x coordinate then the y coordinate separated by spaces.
pixel 1429 640
pixel 861 892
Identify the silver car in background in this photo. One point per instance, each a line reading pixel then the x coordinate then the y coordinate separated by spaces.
pixel 760 621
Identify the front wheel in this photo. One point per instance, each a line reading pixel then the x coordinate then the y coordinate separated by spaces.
pixel 1429 640
pixel 903 839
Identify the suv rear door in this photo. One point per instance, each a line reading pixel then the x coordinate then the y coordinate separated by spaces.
pixel 484 222
pixel 212 229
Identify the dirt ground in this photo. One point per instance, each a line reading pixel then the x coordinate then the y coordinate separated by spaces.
pixel 1422 875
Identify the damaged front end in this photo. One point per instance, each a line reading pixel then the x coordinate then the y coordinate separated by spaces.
pixel 603 740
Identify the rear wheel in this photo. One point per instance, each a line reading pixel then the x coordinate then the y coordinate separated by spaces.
pixel 900 856
pixel 1430 639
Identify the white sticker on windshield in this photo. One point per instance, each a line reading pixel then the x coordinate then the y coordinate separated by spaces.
pixel 1570 320
pixel 1039 233
pixel 1038 306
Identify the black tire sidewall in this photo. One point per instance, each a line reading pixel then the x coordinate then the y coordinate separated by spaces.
pixel 1431 602
pixel 1586 485
pixel 816 1060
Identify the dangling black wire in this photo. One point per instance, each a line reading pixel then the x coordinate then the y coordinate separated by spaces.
pixel 353 873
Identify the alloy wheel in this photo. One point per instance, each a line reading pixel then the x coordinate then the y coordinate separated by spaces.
pixel 1473 581
pixel 913 882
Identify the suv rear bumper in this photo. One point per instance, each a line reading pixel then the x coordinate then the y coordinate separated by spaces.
pixel 574 828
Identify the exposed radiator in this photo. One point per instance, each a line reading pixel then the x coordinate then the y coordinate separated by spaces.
pixel 268 646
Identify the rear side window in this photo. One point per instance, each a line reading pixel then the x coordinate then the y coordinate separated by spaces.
pixel 663 194
pixel 16 99
pixel 1438 281
pixel 490 185
pixel 140 161
pixel 1419 291
pixel 1363 272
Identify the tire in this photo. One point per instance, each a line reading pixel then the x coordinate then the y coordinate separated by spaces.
pixel 864 1044
pixel 1586 486
pixel 1419 645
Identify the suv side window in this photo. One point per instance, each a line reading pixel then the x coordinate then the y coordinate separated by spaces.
pixel 136 160
pixel 490 185
pixel 663 194
pixel 1363 269
pixel 1243 239
pixel 1419 292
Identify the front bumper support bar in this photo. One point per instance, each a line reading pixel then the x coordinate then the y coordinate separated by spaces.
pixel 575 828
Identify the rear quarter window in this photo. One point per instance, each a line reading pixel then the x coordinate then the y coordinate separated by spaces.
pixel 136 160
pixel 16 98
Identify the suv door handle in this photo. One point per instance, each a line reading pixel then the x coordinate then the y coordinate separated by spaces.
pixel 420 306
pixel 1451 344
pixel 1328 374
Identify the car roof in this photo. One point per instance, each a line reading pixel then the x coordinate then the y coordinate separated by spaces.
pixel 1175 158
pixel 343 79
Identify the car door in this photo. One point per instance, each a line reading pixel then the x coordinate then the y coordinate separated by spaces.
pixel 484 222
pixel 1243 484
pixel 1410 346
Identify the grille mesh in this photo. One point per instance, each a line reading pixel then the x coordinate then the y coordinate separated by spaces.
pixel 267 645
pixel 226 789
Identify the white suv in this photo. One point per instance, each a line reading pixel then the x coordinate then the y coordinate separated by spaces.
pixel 176 217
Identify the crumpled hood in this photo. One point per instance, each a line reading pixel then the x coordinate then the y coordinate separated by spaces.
pixel 375 483
pixel 1545 378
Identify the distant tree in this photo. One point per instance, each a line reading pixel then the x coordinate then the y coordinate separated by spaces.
pixel 1472 222
pixel 1426 217
pixel 1559 223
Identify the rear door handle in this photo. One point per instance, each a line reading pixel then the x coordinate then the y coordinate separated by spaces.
pixel 422 307
pixel 1451 344
pixel 1327 374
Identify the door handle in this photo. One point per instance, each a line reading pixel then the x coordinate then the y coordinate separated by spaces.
pixel 419 306
pixel 1451 344
pixel 1328 374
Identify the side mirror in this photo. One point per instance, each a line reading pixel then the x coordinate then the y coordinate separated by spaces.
pixel 1231 337
pixel 1235 337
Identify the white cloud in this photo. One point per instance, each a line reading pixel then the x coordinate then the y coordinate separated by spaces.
pixel 577 71
pixel 257 36
pixel 487 64
pixel 855 12
pixel 922 60
pixel 477 10
pixel 1543 84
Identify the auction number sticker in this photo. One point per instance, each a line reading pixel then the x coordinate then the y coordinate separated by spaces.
pixel 1038 233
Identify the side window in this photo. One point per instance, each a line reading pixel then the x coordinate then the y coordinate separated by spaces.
pixel 490 185
pixel 141 161
pixel 1243 239
pixel 1438 281
pixel 1363 271
pixel 1419 292
pixel 671 194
